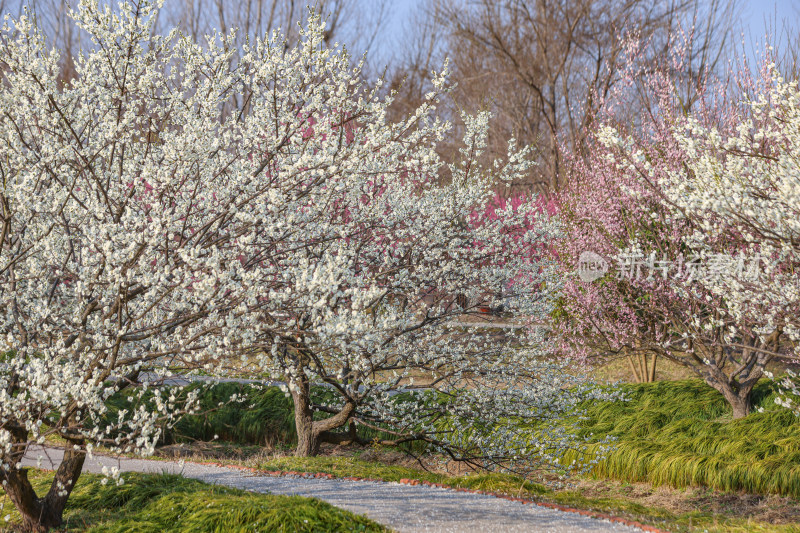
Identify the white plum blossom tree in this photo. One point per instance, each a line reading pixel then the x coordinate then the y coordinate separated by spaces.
pixel 170 209
pixel 125 196
pixel 375 277
pixel 743 199
pixel 380 252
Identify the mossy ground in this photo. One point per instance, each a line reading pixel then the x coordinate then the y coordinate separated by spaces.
pixel 153 503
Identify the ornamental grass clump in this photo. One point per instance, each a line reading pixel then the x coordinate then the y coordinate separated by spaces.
pixel 156 503
pixel 682 434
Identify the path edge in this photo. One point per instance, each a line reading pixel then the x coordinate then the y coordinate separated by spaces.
pixel 407 481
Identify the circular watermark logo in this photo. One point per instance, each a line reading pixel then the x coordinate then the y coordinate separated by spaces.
pixel 591 266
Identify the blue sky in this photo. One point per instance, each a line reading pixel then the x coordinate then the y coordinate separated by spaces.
pixel 756 10
pixel 758 15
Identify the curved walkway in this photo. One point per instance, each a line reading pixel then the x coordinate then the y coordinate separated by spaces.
pixel 402 507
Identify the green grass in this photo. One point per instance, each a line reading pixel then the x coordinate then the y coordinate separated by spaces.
pixel 681 434
pixel 354 467
pixel 172 504
pixel 676 434
pixel 264 418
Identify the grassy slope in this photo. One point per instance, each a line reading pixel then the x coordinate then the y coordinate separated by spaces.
pixel 675 433
pixel 152 503
pixel 669 433
pixel 681 434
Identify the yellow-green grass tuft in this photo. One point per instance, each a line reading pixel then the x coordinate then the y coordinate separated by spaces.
pixel 153 503
pixel 682 434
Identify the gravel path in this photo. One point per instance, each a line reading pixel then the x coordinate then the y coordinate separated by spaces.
pixel 404 508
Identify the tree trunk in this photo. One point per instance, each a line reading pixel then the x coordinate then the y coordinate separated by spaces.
pixel 307 437
pixel 311 433
pixel 741 404
pixel 652 377
pixel 738 396
pixel 634 371
pixel 43 514
pixel 642 371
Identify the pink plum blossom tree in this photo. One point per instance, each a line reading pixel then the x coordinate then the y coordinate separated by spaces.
pixel 692 283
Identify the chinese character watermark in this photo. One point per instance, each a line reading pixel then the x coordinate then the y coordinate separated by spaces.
pixel 709 268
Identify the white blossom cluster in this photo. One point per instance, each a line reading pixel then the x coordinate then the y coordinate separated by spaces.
pixel 108 258
pixel 504 409
pixel 172 209
pixel 748 182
